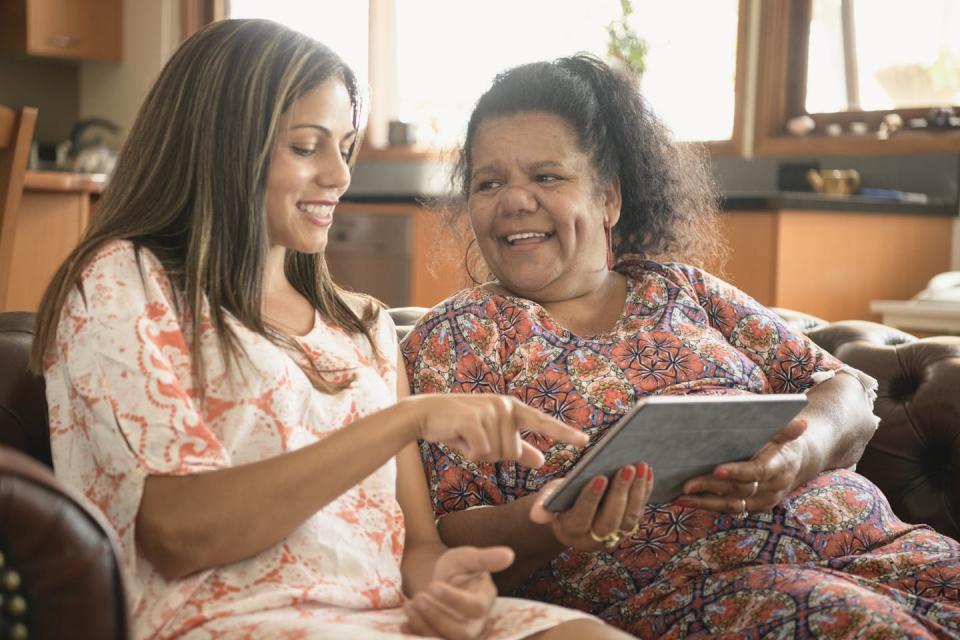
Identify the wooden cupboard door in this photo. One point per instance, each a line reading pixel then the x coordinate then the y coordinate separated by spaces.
pixel 49 226
pixel 833 264
pixel 13 26
pixel 437 261
pixel 81 29
pixel 751 237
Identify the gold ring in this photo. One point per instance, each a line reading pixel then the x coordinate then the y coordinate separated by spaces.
pixel 631 533
pixel 756 485
pixel 610 540
pixel 743 509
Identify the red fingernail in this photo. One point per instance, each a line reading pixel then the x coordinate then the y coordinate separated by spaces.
pixel 642 470
pixel 682 502
pixel 598 484
pixel 695 488
pixel 649 474
pixel 626 474
pixel 723 474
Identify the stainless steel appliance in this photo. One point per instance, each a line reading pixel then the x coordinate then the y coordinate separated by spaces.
pixel 370 253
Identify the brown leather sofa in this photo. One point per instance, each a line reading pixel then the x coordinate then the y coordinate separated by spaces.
pixel 59 573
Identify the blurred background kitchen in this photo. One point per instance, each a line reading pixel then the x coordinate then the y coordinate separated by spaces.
pixel 833 127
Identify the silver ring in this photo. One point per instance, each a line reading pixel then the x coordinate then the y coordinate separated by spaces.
pixel 756 485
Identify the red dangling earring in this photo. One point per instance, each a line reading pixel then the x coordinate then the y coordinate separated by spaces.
pixel 609 231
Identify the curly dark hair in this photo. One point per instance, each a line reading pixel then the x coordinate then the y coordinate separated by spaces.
pixel 669 198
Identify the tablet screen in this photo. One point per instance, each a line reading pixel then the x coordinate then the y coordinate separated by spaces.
pixel 681 437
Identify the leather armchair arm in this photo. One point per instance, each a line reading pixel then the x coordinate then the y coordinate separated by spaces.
pixel 60 576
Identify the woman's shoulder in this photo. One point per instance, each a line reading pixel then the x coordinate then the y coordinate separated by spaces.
pixel 479 300
pixel 360 303
pixel 119 279
pixel 122 260
pixel 637 267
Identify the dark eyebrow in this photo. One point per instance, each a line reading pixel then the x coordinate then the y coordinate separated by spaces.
pixel 534 166
pixel 487 168
pixel 543 164
pixel 350 134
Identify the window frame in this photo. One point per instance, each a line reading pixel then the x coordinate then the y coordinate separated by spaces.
pixel 197 13
pixel 781 95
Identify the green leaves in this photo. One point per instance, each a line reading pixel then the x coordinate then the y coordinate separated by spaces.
pixel 625 46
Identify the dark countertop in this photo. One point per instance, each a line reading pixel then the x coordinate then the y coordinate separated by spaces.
pixel 778 200
pixel 768 201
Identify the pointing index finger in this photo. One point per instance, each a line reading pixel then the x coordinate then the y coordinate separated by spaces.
pixel 533 420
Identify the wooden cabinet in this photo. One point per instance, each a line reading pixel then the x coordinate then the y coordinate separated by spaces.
pixel 833 263
pixel 54 212
pixel 75 29
pixel 436 255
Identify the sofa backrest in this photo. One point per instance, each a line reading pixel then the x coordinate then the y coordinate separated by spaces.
pixel 23 405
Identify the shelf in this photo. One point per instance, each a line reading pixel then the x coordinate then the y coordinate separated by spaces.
pixel 904 142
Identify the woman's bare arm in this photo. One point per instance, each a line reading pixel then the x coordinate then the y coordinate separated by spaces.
pixel 194 522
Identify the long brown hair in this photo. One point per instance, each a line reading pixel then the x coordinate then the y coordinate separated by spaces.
pixel 190 183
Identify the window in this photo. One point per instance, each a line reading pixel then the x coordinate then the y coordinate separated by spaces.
pixel 446 56
pixel 443 54
pixel 849 65
pixel 880 55
pixel 340 25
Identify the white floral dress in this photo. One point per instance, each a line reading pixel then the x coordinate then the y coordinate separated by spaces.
pixel 124 405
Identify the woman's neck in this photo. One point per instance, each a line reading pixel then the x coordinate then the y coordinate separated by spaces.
pixel 284 307
pixel 594 312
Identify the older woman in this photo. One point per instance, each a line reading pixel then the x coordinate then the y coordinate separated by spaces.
pixel 573 190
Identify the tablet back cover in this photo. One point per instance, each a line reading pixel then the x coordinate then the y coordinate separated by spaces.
pixel 682 437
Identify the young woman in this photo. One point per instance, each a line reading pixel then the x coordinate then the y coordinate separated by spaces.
pixel 231 411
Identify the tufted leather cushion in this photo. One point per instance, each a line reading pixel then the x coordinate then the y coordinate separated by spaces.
pixel 915 455
pixel 63 556
pixel 797 320
pixel 23 405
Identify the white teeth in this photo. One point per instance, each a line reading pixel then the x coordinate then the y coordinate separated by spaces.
pixel 313 209
pixel 523 236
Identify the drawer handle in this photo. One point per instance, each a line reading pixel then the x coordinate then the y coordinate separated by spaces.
pixel 63 42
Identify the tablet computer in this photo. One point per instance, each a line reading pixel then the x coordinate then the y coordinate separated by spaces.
pixel 681 437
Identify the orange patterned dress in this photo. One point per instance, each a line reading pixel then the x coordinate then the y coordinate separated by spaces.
pixel 832 561
pixel 124 405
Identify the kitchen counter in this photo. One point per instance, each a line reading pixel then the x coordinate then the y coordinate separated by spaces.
pixel 54 213
pixel 762 201
pixel 65 181
pixel 808 201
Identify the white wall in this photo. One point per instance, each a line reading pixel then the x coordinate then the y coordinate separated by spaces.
pixel 151 32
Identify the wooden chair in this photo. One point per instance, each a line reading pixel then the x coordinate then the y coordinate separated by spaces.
pixel 16 133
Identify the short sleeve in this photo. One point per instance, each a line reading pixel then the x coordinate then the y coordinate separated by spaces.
pixel 123 404
pixel 791 361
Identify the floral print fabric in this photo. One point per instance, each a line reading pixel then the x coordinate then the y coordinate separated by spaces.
pixel 832 561
pixel 124 404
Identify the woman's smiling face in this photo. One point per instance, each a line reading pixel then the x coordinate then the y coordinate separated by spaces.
pixel 308 168
pixel 536 208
